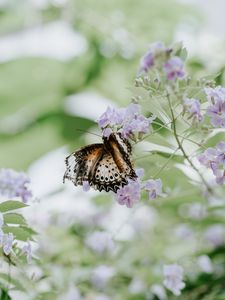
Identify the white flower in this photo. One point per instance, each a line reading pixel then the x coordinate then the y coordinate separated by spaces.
pixel 100 241
pixel 173 278
pixel 136 286
pixel 159 291
pixel 101 275
pixel 205 264
pixel 7 243
pixel 215 234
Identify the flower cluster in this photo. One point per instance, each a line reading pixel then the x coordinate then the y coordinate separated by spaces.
pixel 154 188
pixel 161 56
pixel 129 121
pixel 14 184
pixel 148 60
pixel 216 108
pixel 173 278
pixel 214 159
pixel 193 106
pixel 131 193
pixel 174 68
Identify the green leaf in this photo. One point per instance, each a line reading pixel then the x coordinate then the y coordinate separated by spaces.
pixel 11 205
pixel 16 284
pixel 14 218
pixel 20 233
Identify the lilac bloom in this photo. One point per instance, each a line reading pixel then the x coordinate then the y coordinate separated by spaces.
pixel 216 109
pixel 14 184
pixel 86 186
pixel 106 132
pixel 220 158
pixel 217 114
pixel 215 94
pixel 27 250
pixel 208 159
pixel 139 124
pixel 154 188
pixel 129 194
pixel 174 68
pixel 220 176
pixel 148 60
pixel 7 243
pixel 173 278
pixel 110 117
pixel 194 108
pixel 129 121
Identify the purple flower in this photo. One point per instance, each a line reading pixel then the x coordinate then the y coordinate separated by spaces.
pixel 27 250
pixel 220 158
pixel 174 68
pixel 193 107
pixel 148 60
pixel 139 125
pixel 215 94
pixel 110 117
pixel 217 114
pixel 214 158
pixel 216 109
pixel 129 121
pixel 86 186
pixel 154 188
pixel 208 158
pixel 7 243
pixel 100 241
pixel 14 184
pixel 220 176
pixel 173 278
pixel 129 194
pixel 106 132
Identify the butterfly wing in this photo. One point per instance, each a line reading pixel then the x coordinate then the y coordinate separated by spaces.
pixel 107 174
pixel 105 166
pixel 81 165
pixel 120 150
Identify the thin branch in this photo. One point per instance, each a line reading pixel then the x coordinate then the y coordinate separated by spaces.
pixel 182 149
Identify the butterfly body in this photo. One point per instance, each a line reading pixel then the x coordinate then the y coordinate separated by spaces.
pixel 105 166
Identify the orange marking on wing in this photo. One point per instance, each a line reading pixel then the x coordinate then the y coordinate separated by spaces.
pixel 118 157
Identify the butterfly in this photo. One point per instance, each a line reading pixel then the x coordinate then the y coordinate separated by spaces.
pixel 106 166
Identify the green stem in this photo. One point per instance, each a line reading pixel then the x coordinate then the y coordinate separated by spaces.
pixel 182 149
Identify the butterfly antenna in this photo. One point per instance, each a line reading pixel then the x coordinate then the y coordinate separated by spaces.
pixel 89 132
